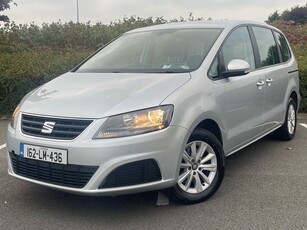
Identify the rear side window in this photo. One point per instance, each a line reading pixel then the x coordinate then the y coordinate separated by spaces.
pixel 283 46
pixel 267 46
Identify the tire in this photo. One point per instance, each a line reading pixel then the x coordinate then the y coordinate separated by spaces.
pixel 287 131
pixel 201 172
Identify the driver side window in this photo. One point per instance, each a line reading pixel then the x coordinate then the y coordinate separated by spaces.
pixel 238 45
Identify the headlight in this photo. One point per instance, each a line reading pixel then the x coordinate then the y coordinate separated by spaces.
pixel 138 122
pixel 15 116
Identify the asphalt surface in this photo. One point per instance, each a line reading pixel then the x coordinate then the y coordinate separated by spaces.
pixel 265 187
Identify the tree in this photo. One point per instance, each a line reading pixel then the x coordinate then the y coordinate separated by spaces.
pixel 297 14
pixel 274 16
pixel 5 4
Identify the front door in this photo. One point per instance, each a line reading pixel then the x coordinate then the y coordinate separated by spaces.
pixel 244 94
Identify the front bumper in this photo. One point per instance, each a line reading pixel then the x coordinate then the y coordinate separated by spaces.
pixel 165 147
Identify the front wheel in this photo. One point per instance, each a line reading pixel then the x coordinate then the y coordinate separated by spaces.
pixel 201 170
pixel 287 131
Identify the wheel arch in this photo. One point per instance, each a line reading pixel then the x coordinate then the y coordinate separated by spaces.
pixel 294 96
pixel 211 126
pixel 207 123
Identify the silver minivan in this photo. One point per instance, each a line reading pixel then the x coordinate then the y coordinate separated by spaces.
pixel 158 108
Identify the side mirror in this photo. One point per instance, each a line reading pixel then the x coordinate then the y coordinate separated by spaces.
pixel 237 67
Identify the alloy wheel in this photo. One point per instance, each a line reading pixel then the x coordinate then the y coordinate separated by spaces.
pixel 198 167
pixel 291 119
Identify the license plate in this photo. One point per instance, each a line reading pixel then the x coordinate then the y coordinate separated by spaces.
pixel 58 156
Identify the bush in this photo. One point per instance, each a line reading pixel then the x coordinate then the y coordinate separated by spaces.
pixel 23 70
pixel 301 56
pixel 31 55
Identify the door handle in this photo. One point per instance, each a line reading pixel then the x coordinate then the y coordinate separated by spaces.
pixel 260 84
pixel 269 81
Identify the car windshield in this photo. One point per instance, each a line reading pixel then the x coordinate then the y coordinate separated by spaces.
pixel 163 51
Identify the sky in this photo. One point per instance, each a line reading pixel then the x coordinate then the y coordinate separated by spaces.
pixel 105 11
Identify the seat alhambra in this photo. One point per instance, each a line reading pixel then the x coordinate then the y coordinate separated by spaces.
pixel 158 108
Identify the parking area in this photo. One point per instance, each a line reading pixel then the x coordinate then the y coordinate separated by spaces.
pixel 265 187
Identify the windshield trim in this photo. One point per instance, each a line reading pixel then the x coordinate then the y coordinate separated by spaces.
pixel 135 71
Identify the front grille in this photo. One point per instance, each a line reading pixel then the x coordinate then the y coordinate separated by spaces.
pixel 134 173
pixel 74 176
pixel 64 129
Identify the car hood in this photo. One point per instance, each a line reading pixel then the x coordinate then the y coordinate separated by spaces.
pixel 97 95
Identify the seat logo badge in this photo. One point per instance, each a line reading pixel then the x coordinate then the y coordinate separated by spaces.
pixel 48 127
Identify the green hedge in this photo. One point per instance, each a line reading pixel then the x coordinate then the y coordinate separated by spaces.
pixel 301 56
pixel 23 70
pixel 31 55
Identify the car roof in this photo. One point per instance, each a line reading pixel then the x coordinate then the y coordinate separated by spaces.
pixel 222 24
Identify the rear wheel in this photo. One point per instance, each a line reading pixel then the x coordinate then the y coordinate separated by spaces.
pixel 287 131
pixel 201 170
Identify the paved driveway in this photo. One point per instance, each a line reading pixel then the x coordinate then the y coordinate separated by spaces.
pixel 265 187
